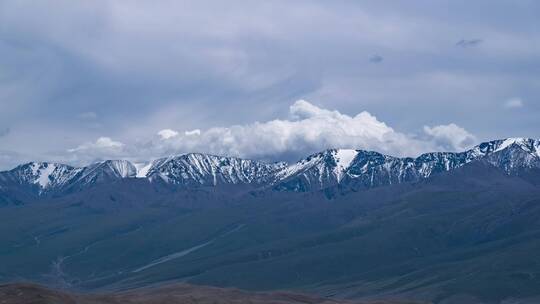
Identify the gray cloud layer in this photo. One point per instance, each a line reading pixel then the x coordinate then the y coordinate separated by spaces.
pixel 126 70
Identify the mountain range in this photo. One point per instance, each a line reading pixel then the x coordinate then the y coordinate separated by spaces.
pixel 444 227
pixel 350 170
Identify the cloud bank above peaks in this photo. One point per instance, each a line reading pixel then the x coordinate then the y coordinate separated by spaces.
pixel 308 129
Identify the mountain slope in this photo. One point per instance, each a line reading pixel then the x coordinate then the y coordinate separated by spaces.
pixel 368 169
pixel 317 171
pixel 33 180
pixel 101 172
pixel 472 231
pixel 334 171
pixel 196 169
pixel 171 294
pixel 40 179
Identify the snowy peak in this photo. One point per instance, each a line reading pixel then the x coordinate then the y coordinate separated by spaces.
pixel 520 142
pixel 44 179
pixel 209 170
pixel 143 168
pixel 108 170
pixel 366 169
pixel 343 159
pixel 333 161
pixel 341 168
pixel 514 154
pixel 120 168
pixel 528 145
pixel 44 175
pixel 317 171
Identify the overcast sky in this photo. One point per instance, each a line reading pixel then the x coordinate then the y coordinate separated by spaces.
pixel 82 81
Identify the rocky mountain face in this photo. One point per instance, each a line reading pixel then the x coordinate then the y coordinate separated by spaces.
pixel 197 169
pixel 37 179
pixel 360 169
pixel 469 235
pixel 345 169
pixel 439 228
pixel 106 171
pixel 317 171
pixel 41 179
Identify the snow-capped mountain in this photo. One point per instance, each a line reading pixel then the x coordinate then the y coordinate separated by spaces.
pixel 343 168
pixel 106 171
pixel 317 171
pixel 196 169
pixel 39 177
pixel 511 154
pixel 366 169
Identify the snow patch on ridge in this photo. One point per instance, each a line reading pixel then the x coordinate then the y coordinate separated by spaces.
pixel 344 158
pixel 123 167
pixel 42 172
pixel 298 167
pixel 510 141
pixel 142 169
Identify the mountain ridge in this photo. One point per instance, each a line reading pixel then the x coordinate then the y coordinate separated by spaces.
pixel 345 168
pixel 472 231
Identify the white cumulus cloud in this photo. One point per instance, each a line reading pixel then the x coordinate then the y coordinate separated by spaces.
pixel 103 148
pixel 193 132
pixel 308 129
pixel 167 133
pixel 450 137
pixel 100 143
